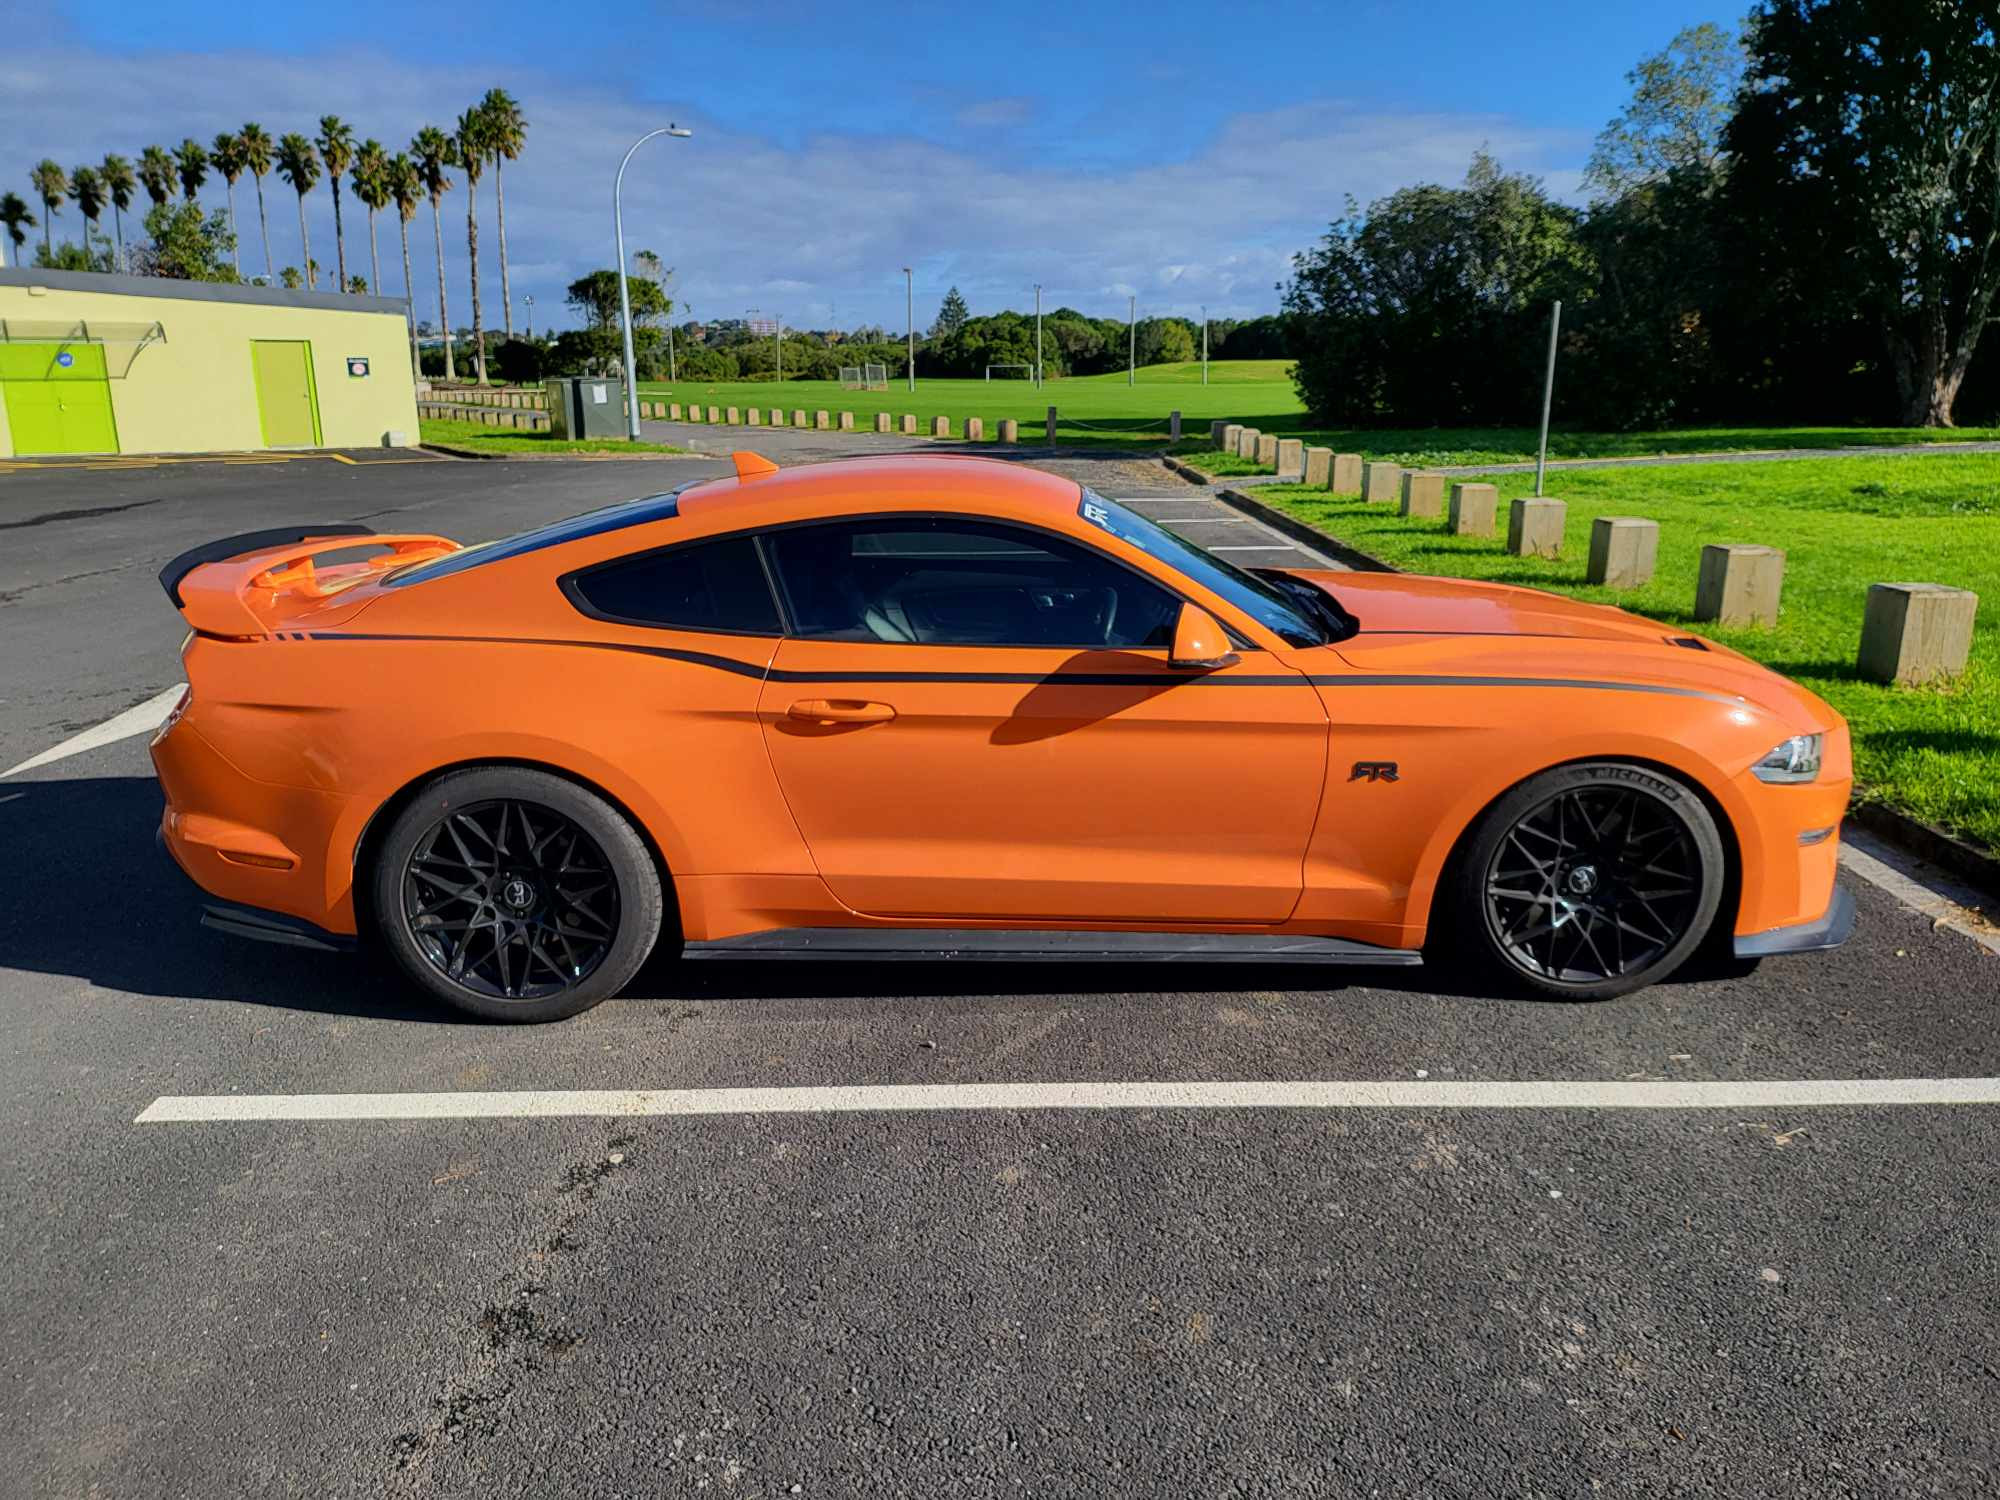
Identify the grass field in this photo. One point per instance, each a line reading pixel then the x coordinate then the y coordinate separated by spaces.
pixel 477 437
pixel 1844 523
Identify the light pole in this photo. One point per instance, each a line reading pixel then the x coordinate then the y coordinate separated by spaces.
pixel 1132 337
pixel 624 297
pixel 531 316
pixel 1204 346
pixel 910 313
pixel 1038 335
pixel 1548 394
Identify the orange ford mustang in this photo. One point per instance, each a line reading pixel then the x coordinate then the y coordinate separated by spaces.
pixel 949 707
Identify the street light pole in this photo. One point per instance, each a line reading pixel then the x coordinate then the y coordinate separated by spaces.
pixel 1204 346
pixel 531 316
pixel 1132 335
pixel 625 297
pixel 910 313
pixel 1038 335
pixel 1548 394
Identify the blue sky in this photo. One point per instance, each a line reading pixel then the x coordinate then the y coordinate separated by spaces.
pixel 1178 153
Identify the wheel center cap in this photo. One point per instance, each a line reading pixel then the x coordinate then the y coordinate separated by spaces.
pixel 1583 880
pixel 518 894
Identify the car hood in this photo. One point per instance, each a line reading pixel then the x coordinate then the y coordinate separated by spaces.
pixel 1409 624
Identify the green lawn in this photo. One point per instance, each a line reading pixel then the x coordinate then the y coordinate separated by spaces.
pixel 477 437
pixel 1844 523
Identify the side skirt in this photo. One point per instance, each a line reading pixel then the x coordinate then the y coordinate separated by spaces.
pixel 930 944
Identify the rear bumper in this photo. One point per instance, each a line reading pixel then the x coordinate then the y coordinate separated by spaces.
pixel 255 922
pixel 1829 931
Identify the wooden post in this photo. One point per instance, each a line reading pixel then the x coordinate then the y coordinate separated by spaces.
pixel 1739 584
pixel 1916 632
pixel 1423 494
pixel 1010 430
pixel 1052 425
pixel 1535 527
pixel 1173 427
pixel 1622 551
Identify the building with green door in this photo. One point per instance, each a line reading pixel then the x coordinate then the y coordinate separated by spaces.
pixel 93 364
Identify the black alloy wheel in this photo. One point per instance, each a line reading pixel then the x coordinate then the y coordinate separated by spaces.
pixel 1593 881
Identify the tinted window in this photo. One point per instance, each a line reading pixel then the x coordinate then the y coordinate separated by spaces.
pixel 590 523
pixel 963 583
pixel 711 586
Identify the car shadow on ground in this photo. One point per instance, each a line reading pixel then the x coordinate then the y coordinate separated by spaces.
pixel 96 898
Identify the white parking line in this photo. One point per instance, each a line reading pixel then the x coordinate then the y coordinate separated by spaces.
pixel 959 1097
pixel 1274 547
pixel 144 718
pixel 1923 890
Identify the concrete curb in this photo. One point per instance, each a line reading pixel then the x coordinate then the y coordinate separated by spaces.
pixel 1918 839
pixel 542 458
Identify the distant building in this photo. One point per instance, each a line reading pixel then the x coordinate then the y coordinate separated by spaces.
pixel 91 363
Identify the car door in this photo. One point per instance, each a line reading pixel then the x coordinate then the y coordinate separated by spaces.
pixel 973 719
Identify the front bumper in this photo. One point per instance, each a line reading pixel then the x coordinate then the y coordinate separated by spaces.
pixel 1829 931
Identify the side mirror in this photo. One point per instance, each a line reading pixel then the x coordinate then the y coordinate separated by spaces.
pixel 1199 644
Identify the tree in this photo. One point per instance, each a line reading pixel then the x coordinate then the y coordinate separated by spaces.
pixel 87 189
pixel 16 218
pixel 599 345
pixel 52 187
pixel 1682 101
pixel 119 185
pixel 1165 341
pixel 298 164
pixel 434 151
pixel 336 149
pixel 156 171
pixel 371 187
pixel 191 166
pixel 227 152
pixel 187 245
pixel 951 317
pixel 506 133
pixel 470 142
pixel 1868 141
pixel 291 279
pixel 406 187
pixel 257 160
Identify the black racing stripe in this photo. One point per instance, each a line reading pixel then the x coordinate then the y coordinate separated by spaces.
pixel 1437 680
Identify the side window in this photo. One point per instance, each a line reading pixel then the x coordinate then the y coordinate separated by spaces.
pixel 708 586
pixel 951 582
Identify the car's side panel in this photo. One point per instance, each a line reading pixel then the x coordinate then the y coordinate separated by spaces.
pixel 1049 785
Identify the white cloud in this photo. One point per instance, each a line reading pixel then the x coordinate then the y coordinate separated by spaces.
pixel 748 222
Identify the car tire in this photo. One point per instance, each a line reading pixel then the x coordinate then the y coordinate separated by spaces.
pixel 515 895
pixel 1586 882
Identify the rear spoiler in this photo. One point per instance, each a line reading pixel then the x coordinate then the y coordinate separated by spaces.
pixel 229 587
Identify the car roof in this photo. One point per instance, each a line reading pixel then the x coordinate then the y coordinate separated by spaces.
pixel 984 485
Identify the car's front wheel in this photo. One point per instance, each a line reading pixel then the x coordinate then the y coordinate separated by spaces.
pixel 515 895
pixel 1589 881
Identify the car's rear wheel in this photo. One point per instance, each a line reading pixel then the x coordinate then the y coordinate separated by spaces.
pixel 515 895
pixel 1589 881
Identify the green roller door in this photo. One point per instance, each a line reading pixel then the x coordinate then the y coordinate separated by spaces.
pixel 58 398
pixel 285 396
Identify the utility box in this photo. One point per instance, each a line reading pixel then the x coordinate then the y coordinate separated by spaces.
pixel 585 407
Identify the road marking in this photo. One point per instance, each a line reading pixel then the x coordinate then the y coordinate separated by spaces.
pixel 1829 1093
pixel 1918 887
pixel 1273 547
pixel 142 719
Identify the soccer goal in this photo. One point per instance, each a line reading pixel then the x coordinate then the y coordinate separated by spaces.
pixel 864 377
pixel 1027 371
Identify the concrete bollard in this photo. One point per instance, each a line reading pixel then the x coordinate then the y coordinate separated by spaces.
pixel 1472 509
pixel 975 430
pixel 673 411
pixel 1623 550
pixel 1381 481
pixel 1010 430
pixel 883 421
pixel 1230 435
pixel 822 421
pixel 735 417
pixel 909 424
pixel 847 421
pixel 798 416
pixel 1291 459
pixel 1215 431
pixel 1246 442
pixel 715 414
pixel 1739 584
pixel 1916 632
pixel 1267 450
pixel 1173 427
pixel 1318 467
pixel 940 427
pixel 1052 426
pixel 1346 476
pixel 1423 495
pixel 1535 527
pixel 756 417
pixel 777 417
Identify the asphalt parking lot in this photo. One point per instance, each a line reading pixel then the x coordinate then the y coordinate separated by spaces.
pixel 799 1296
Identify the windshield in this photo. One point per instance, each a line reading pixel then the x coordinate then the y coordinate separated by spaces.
pixel 1292 614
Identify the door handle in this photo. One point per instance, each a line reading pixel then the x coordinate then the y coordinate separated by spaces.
pixel 842 711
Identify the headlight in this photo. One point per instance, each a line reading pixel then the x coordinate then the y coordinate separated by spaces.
pixel 1797 759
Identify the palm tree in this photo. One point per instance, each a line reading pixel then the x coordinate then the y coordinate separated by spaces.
pixel 51 187
pixel 226 152
pixel 298 164
pixel 506 133
pixel 87 188
pixel 470 139
pixel 18 220
pixel 120 184
pixel 434 151
pixel 371 185
pixel 156 171
pixel 406 187
pixel 336 149
pixel 191 162
pixel 257 159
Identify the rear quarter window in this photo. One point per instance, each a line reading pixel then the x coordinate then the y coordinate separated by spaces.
pixel 711 586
